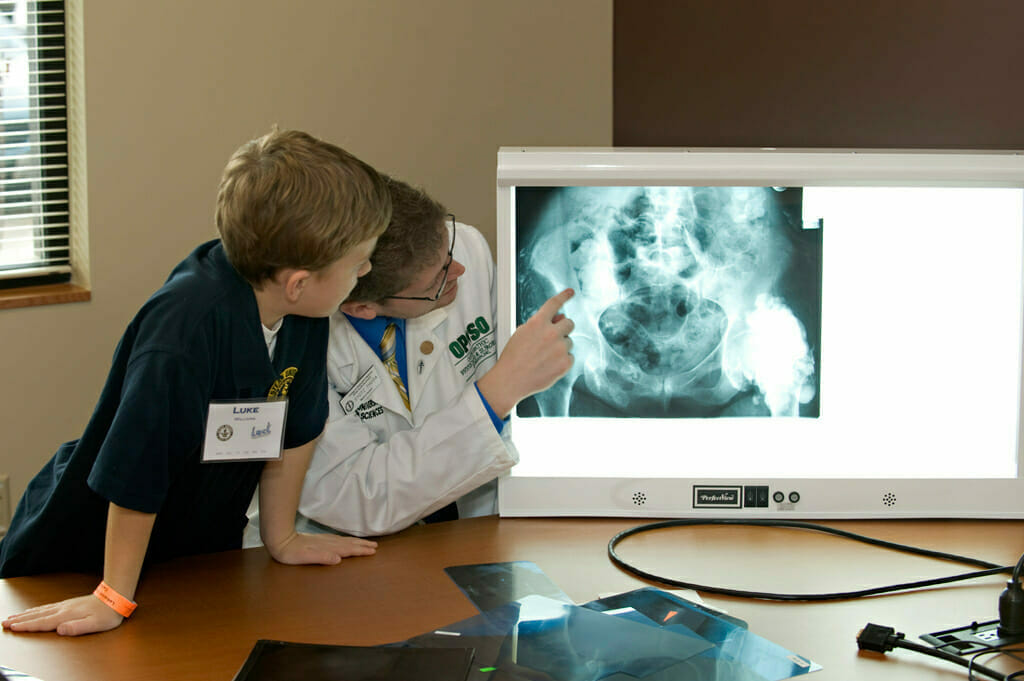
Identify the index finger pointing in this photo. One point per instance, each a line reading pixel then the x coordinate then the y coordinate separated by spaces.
pixel 553 304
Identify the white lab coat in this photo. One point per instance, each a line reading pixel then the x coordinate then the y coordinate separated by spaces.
pixel 378 469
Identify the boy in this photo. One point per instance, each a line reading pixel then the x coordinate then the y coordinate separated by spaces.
pixel 389 459
pixel 238 327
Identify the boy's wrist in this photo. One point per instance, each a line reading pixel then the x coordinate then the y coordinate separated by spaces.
pixel 115 601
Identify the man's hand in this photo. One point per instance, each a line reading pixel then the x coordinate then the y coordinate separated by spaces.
pixel 537 355
pixel 320 549
pixel 73 617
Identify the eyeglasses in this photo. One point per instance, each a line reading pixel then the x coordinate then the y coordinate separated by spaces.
pixel 444 272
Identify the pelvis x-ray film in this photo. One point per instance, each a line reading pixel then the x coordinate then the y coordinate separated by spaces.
pixel 690 301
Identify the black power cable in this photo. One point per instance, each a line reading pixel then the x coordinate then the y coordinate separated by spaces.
pixel 995 650
pixel 990 568
pixel 873 636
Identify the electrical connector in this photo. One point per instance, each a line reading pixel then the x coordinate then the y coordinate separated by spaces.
pixel 877 638
pixel 1011 610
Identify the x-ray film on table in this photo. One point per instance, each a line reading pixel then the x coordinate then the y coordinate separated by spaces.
pixel 737 654
pixel 491 585
pixel 542 639
pixel 272 660
pixel 690 301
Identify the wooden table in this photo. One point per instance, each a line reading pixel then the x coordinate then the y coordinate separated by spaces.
pixel 199 617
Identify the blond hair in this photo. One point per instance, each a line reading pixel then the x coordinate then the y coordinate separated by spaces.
pixel 288 199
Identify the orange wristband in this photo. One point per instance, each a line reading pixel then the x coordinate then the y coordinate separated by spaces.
pixel 121 605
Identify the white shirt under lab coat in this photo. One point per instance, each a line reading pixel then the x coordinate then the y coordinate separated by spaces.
pixel 379 468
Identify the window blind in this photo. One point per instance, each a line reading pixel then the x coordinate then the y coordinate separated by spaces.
pixel 34 216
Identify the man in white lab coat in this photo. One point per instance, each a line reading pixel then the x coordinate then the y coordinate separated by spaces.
pixel 397 450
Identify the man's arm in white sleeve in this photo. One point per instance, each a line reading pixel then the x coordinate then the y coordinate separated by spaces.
pixel 359 485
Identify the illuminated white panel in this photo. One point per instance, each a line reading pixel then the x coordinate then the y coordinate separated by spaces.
pixel 870 336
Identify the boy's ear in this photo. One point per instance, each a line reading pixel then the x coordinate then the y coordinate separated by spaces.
pixel 359 310
pixel 295 282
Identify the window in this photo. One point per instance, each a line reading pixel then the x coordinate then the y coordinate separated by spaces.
pixel 34 213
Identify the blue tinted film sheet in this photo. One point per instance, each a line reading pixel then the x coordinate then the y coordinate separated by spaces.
pixel 491 585
pixel 541 639
pixel 690 301
pixel 737 654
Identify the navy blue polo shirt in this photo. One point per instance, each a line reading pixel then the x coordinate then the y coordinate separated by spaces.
pixel 197 339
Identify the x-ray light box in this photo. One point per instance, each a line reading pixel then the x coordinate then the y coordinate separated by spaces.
pixel 769 333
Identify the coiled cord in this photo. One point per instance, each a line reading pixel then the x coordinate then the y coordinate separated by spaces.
pixel 989 568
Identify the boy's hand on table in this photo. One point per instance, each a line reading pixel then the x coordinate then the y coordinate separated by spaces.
pixel 320 549
pixel 73 617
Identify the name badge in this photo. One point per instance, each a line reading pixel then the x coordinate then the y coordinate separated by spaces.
pixel 248 430
pixel 361 391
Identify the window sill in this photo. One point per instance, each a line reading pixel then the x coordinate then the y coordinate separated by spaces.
pixel 51 294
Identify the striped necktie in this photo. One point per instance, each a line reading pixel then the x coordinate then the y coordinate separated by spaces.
pixel 387 355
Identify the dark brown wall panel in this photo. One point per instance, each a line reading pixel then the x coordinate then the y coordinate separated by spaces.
pixel 822 73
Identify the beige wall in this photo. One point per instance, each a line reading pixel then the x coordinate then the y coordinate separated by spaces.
pixel 424 89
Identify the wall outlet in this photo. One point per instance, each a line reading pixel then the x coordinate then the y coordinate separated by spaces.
pixel 5 503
